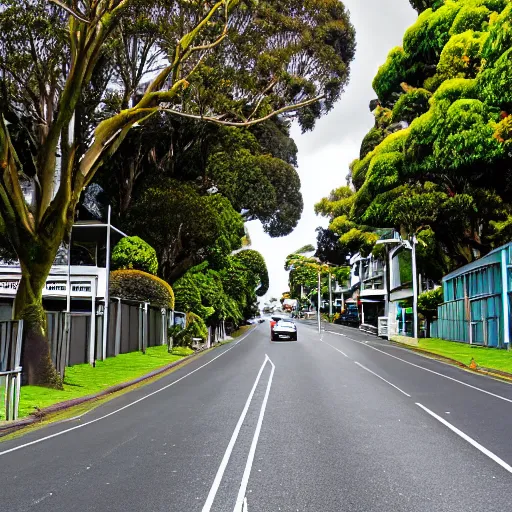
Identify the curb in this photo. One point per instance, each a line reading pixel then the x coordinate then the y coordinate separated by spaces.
pixel 497 374
pixel 13 426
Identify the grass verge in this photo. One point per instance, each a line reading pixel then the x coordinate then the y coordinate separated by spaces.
pixel 83 379
pixel 241 331
pixel 493 358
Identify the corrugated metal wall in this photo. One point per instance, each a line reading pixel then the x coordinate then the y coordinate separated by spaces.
pixel 473 308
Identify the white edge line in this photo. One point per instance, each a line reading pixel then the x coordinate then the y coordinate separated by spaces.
pixel 382 378
pixel 470 440
pixel 337 349
pixel 227 454
pixel 428 370
pixel 46 438
pixel 241 499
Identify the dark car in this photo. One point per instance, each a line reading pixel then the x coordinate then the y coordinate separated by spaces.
pixel 284 330
pixel 349 317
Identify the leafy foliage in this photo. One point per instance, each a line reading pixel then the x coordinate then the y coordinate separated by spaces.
pixel 142 287
pixel 429 300
pixel 227 293
pixel 74 83
pixel 134 253
pixel 443 169
pixel 185 227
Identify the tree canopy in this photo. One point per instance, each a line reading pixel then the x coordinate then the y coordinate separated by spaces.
pixel 77 77
pixel 437 162
pixel 228 293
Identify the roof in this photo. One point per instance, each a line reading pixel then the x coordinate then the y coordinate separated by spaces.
pixel 489 259
pixel 90 231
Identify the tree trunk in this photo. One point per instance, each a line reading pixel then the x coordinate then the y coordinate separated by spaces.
pixel 28 306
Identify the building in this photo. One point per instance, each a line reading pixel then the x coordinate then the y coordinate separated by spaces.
pixel 476 306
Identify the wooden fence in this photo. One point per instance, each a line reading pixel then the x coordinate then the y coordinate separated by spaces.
pixel 11 335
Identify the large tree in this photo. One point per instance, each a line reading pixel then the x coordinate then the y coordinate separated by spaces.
pixel 437 163
pixel 185 227
pixel 230 62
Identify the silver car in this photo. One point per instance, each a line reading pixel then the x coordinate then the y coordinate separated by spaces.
pixel 284 330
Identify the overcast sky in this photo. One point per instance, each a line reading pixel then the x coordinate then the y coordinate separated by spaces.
pixel 325 153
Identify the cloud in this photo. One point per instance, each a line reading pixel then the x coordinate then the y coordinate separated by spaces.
pixel 325 153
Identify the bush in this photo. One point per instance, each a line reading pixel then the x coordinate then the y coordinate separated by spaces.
pixel 134 253
pixel 142 287
pixel 196 328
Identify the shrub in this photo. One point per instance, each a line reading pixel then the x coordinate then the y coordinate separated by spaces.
pixel 134 253
pixel 141 286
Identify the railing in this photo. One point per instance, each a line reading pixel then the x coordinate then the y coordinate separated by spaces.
pixel 11 338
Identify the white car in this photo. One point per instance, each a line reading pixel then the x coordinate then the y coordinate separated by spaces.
pixel 284 330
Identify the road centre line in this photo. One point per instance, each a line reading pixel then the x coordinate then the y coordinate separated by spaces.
pixel 382 378
pixel 227 454
pixel 46 438
pixel 426 369
pixel 470 440
pixel 241 502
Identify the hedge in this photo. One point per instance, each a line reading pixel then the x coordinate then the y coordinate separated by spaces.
pixel 134 253
pixel 142 287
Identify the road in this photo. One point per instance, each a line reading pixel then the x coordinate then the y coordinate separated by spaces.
pixel 334 422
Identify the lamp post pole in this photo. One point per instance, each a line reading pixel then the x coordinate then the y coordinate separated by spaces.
pixel 330 297
pixel 414 289
pixel 318 299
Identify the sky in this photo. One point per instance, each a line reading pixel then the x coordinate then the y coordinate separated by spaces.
pixel 326 152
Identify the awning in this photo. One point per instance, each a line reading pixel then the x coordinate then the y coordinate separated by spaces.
pixel 371 300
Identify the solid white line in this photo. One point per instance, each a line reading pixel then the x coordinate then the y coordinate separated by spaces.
pixel 337 349
pixel 124 407
pixel 430 371
pixel 470 440
pixel 382 378
pixel 250 459
pixel 220 472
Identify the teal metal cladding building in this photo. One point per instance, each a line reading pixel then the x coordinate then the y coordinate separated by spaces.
pixel 477 302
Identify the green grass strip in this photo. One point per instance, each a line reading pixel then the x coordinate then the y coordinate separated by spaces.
pixel 496 359
pixel 81 380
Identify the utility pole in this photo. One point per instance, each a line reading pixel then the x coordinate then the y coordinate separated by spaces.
pixel 330 297
pixel 318 299
pixel 414 289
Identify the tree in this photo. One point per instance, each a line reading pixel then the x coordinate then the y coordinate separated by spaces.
pixel 427 305
pixel 184 227
pixel 437 162
pixel 133 253
pixel 228 293
pixel 423 5
pixel 61 118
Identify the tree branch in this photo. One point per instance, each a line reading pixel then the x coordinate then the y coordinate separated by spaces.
pixel 217 120
pixel 78 15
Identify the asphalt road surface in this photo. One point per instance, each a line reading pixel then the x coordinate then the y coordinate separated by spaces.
pixel 334 422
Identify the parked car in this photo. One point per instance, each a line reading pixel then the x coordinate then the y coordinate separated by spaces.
pixel 284 330
pixel 349 317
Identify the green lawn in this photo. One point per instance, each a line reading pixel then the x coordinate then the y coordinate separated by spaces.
pixel 83 379
pixel 494 358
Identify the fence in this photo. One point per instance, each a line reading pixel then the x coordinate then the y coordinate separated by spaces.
pixel 75 339
pixel 11 334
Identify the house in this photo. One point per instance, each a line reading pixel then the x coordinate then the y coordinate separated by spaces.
pixel 476 306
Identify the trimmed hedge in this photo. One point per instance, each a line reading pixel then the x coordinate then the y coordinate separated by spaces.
pixel 134 253
pixel 142 287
